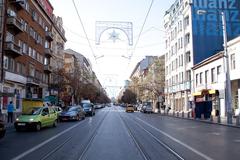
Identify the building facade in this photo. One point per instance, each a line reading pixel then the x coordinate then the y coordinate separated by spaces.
pixel 210 76
pixel 191 38
pixel 57 59
pixel 27 38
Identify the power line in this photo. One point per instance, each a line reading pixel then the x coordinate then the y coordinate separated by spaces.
pixel 89 44
pixel 139 35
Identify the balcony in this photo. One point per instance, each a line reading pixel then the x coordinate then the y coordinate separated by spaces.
pixel 14 77
pixel 48 52
pixel 47 68
pixel 13 49
pixel 14 25
pixel 20 4
pixel 49 35
pixel 33 81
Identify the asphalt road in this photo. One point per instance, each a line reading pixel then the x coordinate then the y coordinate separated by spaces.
pixel 114 134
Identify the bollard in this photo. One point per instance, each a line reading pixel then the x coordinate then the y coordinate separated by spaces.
pixel 182 114
pixel 188 114
pixel 173 113
pixel 237 120
pixel 177 114
pixel 218 119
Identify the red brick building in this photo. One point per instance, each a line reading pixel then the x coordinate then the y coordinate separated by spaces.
pixel 27 37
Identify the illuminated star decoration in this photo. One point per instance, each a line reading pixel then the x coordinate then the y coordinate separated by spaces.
pixel 114 36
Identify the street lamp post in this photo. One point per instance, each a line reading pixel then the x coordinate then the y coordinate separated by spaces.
pixel 228 92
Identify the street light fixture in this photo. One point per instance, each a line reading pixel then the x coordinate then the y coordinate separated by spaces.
pixel 228 92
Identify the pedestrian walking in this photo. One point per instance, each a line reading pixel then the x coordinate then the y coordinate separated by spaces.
pixel 10 109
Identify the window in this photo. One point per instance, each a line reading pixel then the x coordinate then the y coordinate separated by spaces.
pixel 5 62
pixel 188 75
pixel 196 79
pixel 206 77
pixel 200 80
pixel 233 62
pixel 186 21
pixel 180 26
pixel 47 44
pixel 23 70
pixel 31 70
pixel 219 70
pixel 34 16
pixel 187 38
pixel 30 51
pixel 188 57
pixel 24 48
pixel 181 60
pixel 213 75
pixel 181 42
pixel 34 54
pixel 27 6
pixel 18 67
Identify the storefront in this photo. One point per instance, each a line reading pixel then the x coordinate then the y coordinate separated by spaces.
pixel 206 103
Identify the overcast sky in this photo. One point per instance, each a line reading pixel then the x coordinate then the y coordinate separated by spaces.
pixel 111 67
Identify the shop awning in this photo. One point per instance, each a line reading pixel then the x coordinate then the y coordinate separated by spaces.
pixel 213 91
pixel 199 93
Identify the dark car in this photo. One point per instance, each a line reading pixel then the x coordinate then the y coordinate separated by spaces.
pixel 147 107
pixel 72 113
pixel 2 129
pixel 88 108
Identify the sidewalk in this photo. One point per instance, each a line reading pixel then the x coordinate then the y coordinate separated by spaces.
pixel 3 117
pixel 213 120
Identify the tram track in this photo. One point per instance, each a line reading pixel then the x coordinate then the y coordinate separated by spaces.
pixel 138 144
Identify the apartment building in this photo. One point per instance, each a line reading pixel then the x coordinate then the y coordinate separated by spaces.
pixel 85 67
pixel 57 59
pixel 27 38
pixel 192 37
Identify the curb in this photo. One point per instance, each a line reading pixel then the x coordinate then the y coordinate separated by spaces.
pixel 203 121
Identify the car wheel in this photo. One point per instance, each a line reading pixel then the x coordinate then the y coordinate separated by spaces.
pixel 83 117
pixel 38 127
pixel 55 123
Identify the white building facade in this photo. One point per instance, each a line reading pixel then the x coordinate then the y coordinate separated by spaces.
pixel 209 75
pixel 191 38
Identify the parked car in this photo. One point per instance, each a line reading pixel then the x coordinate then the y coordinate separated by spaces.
pixel 130 108
pixel 98 106
pixel 58 110
pixel 147 107
pixel 2 129
pixel 38 118
pixel 72 113
pixel 88 108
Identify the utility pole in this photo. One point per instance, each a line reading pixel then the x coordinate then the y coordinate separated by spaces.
pixel 228 92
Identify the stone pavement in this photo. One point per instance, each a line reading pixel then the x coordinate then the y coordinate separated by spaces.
pixel 3 117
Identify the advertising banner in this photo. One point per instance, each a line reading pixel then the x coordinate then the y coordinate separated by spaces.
pixel 207 27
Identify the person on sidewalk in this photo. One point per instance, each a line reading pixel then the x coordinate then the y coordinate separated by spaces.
pixel 10 109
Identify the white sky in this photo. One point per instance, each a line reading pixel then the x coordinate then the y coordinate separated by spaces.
pixel 112 69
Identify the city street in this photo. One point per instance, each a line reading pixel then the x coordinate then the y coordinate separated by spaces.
pixel 113 134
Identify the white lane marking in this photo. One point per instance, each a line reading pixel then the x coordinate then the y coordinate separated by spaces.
pixel 237 140
pixel 178 141
pixel 215 133
pixel 44 142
